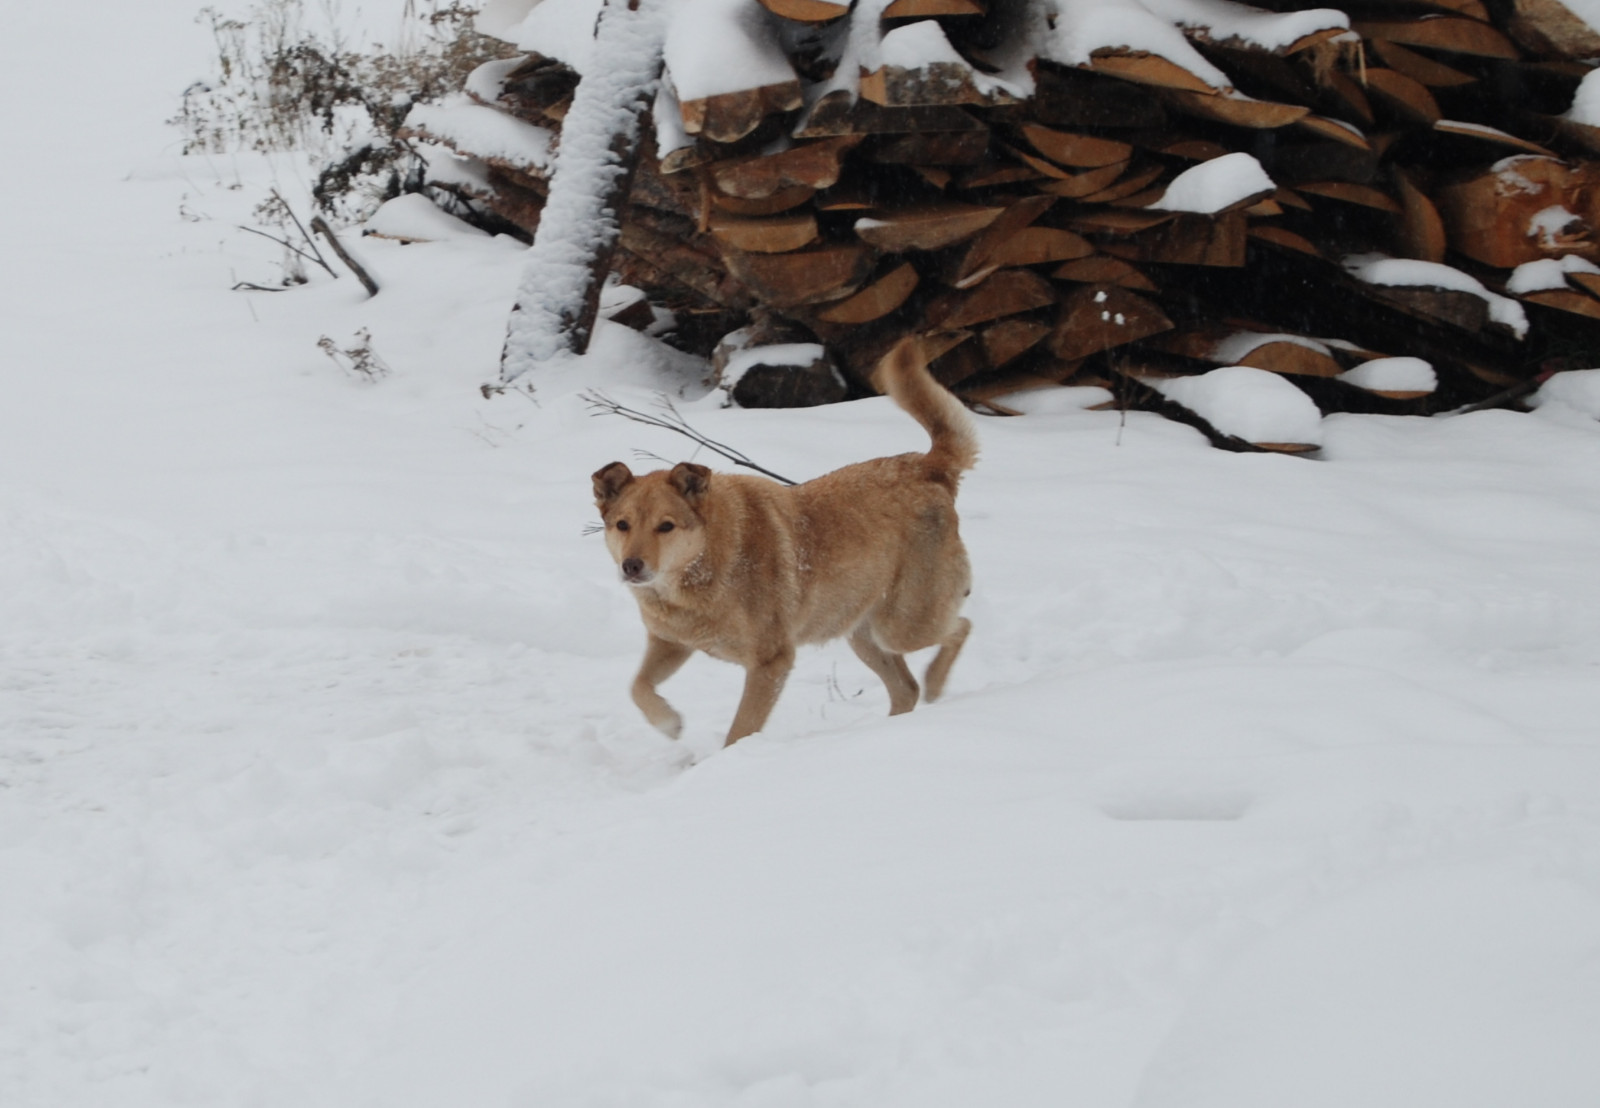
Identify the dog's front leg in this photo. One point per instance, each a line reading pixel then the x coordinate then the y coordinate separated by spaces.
pixel 762 684
pixel 662 659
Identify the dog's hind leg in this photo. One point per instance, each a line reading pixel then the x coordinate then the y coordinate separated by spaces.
pixel 891 668
pixel 661 660
pixel 762 684
pixel 939 668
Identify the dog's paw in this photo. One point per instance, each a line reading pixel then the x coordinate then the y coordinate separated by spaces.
pixel 670 724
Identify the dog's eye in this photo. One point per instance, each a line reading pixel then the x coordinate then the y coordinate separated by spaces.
pixel 665 527
pixel 622 525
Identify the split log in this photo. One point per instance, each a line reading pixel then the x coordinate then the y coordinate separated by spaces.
pixel 813 165
pixel 1101 269
pixel 811 276
pixel 1079 151
pixel 1101 318
pixel 1010 338
pixel 731 116
pixel 807 11
pixel 1441 32
pixel 1009 292
pixel 876 300
pixel 769 235
pixel 930 227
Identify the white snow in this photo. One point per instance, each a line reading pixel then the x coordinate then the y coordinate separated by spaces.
pixel 1477 128
pixel 1577 389
pixel 1226 21
pixel 559 29
pixel 774 354
pixel 1261 781
pixel 501 17
pixel 1398 374
pixel 1377 269
pixel 488 81
pixel 1509 179
pixel 486 132
pixel 1547 225
pixel 415 218
pixel 721 46
pixel 1547 273
pixel 1253 404
pixel 1585 107
pixel 1214 185
pixel 1080 27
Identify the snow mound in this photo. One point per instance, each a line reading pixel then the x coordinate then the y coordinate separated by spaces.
pixel 485 133
pixel 488 81
pixel 778 354
pixel 1251 404
pixel 1473 987
pixel 415 218
pixel 1393 375
pixel 1214 185
pixel 1078 28
pixel 1586 101
pixel 1547 273
pixel 1578 389
pixel 721 46
pixel 559 29
pixel 1378 269
pixel 1226 21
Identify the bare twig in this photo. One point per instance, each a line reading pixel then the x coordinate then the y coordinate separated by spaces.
pixel 287 245
pixel 288 211
pixel 320 225
pixel 673 421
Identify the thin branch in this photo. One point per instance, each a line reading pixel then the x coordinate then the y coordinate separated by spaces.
pixel 601 404
pixel 321 225
pixel 311 242
pixel 287 245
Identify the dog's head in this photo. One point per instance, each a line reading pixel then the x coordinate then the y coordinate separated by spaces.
pixel 653 523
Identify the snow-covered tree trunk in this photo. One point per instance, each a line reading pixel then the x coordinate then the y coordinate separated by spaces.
pixel 559 295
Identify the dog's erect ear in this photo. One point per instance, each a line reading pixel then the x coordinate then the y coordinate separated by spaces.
pixel 690 480
pixel 611 480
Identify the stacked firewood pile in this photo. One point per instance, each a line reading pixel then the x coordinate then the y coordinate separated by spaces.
pixel 1393 207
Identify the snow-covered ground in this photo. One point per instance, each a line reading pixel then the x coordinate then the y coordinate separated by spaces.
pixel 1263 781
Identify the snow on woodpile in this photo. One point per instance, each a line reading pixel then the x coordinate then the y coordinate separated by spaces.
pixel 485 133
pixel 1237 347
pixel 1215 185
pixel 487 82
pixel 1546 274
pixel 1408 375
pixel 1250 404
pixel 414 218
pixel 1082 27
pixel 1578 389
pixel 1585 107
pixel 559 29
pixel 722 46
pixel 1377 269
pixel 1227 23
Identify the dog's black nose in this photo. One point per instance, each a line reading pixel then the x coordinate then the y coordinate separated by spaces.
pixel 632 567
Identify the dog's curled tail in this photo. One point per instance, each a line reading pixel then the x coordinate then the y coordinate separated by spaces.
pixel 903 374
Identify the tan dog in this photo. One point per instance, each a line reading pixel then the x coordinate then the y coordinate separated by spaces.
pixel 746 569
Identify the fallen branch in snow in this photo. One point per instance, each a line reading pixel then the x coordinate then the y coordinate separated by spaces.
pixel 320 225
pixel 674 421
